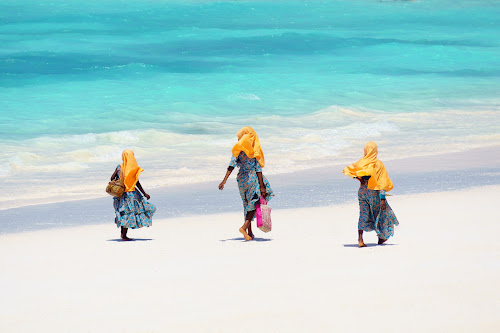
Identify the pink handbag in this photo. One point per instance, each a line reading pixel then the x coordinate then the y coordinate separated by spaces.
pixel 263 216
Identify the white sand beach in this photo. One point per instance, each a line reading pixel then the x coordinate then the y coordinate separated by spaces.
pixel 164 92
pixel 440 273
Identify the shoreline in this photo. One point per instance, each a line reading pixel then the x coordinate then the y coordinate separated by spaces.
pixel 308 188
pixel 181 162
pixel 307 274
pixel 237 216
pixel 485 157
pixel 99 212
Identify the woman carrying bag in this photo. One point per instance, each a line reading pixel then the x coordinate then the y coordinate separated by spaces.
pixel 131 209
pixel 249 158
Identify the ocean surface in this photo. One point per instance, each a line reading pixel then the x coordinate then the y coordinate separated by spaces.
pixel 175 80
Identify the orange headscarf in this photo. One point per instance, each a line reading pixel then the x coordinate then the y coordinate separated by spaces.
pixel 370 166
pixel 248 142
pixel 130 170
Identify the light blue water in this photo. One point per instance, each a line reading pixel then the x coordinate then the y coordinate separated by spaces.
pixel 174 80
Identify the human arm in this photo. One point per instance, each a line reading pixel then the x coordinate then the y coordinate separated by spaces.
pixel 258 171
pixel 139 186
pixel 114 175
pixel 263 191
pixel 228 173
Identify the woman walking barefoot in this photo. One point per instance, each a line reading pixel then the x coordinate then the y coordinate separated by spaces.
pixel 131 209
pixel 374 211
pixel 248 156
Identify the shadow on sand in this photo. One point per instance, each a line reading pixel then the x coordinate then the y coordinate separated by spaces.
pixel 131 240
pixel 368 245
pixel 241 239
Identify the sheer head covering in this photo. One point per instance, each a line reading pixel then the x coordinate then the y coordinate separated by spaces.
pixel 130 170
pixel 248 142
pixel 370 165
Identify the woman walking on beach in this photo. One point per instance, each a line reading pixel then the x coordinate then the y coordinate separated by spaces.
pixel 374 211
pixel 248 156
pixel 131 209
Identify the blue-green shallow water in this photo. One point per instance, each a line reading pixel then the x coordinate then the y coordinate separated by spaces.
pixel 175 80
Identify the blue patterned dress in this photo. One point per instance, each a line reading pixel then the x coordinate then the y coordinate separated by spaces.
pixel 248 182
pixel 371 217
pixel 131 209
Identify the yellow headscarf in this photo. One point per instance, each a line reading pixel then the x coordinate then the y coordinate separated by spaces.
pixel 248 142
pixel 130 170
pixel 370 166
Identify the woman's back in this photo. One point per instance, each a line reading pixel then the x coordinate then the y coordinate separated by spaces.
pixel 245 163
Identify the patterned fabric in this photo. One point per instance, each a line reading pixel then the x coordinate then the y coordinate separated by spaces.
pixel 248 183
pixel 132 210
pixel 371 217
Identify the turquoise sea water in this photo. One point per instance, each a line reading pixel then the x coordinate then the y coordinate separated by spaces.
pixel 174 80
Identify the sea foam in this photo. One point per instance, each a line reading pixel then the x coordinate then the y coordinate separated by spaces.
pixel 333 135
pixel 79 83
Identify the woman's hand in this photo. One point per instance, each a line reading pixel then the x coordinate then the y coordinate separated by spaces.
pixel 263 191
pixel 223 182
pixel 139 186
pixel 383 204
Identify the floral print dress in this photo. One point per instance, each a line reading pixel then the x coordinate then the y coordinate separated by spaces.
pixel 132 210
pixel 248 182
pixel 371 217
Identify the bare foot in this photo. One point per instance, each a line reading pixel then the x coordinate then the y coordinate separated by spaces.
pixel 381 241
pixel 251 235
pixel 245 234
pixel 361 243
pixel 125 239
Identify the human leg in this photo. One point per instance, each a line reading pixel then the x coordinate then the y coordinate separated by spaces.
pixel 364 220
pixel 361 243
pixel 246 226
pixel 124 234
pixel 250 233
pixel 249 218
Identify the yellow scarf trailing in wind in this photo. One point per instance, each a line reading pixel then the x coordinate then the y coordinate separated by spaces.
pixel 369 165
pixel 130 170
pixel 248 142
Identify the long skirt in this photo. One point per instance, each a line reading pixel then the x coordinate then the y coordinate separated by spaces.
pixel 371 217
pixel 133 211
pixel 248 184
